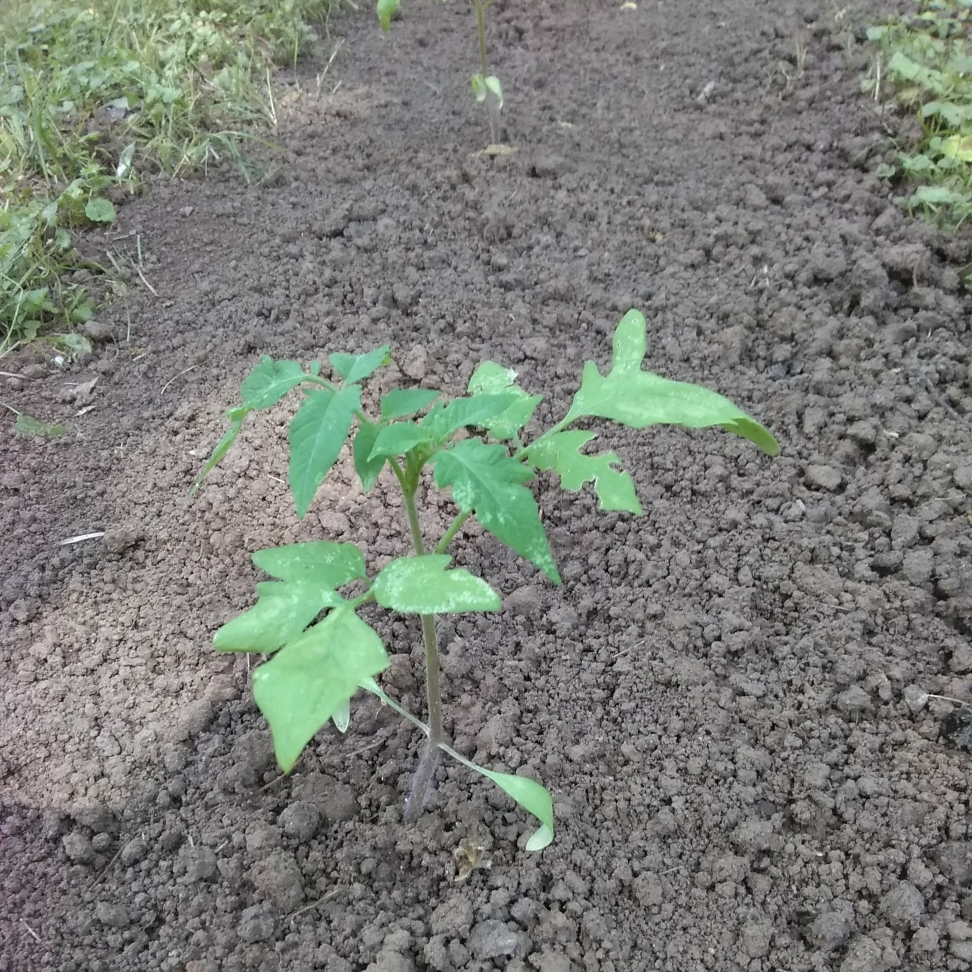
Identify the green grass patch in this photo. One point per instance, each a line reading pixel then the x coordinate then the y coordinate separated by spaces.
pixel 925 61
pixel 95 96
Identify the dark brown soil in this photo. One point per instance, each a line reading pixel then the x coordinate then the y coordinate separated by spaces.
pixel 741 701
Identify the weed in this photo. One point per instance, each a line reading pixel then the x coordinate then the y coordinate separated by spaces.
pixel 323 652
pixel 926 61
pixel 486 87
pixel 95 96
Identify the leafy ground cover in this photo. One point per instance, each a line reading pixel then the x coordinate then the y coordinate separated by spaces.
pixel 926 60
pixel 96 97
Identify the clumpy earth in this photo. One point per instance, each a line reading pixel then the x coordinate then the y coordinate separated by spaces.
pixel 750 704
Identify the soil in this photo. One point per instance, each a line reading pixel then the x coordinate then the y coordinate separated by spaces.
pixel 748 703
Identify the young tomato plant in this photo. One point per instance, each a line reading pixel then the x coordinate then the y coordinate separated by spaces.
pixel 486 87
pixel 323 652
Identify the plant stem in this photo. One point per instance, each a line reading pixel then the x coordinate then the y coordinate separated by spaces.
pixel 454 528
pixel 425 772
pixel 491 109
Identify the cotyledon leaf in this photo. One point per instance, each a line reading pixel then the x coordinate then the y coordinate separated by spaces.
pixel 236 417
pixel 423 585
pixel 529 794
pixel 639 398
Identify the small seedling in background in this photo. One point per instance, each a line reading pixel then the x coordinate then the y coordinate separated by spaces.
pixel 28 426
pixel 323 652
pixel 486 87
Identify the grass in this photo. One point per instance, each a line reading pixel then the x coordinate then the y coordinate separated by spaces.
pixel 96 96
pixel 925 63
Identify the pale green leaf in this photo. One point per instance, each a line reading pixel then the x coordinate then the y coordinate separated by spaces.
pixel 317 433
pixel 386 10
pixel 529 794
pixel 269 381
pixel 281 613
pixel 639 398
pixel 27 425
pixel 492 84
pixel 100 210
pixel 341 717
pixel 404 402
pixel 561 452
pixel 368 469
pixel 478 83
pixel 236 417
pixel 492 378
pixel 397 439
pixel 487 481
pixel 460 413
pixel 357 367
pixel 311 678
pixel 423 585
pixel 322 562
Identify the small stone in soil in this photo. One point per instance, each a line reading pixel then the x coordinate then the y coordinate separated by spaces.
pixel 78 848
pixel 300 820
pixel 279 878
pixel 491 939
pixel 525 602
pixel 255 925
pixel 823 477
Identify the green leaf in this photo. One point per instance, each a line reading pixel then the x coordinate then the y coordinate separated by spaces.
pixel 322 562
pixel 443 420
pixel 281 613
pixel 341 717
pixel 529 794
pixel 492 378
pixel 403 402
pixel 311 678
pixel 99 210
pixel 561 452
pixel 357 367
pixel 487 481
pixel 478 82
pixel 639 398
pixel 397 439
pixel 422 585
pixel 492 83
pixel 386 10
pixel 236 417
pixel 368 469
pixel 269 381
pixel 124 167
pixel 26 425
pixel 317 433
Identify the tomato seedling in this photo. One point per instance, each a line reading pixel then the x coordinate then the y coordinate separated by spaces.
pixel 486 87
pixel 323 652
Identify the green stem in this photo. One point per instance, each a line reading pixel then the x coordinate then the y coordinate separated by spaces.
pixel 481 28
pixel 481 8
pixel 424 776
pixel 454 528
